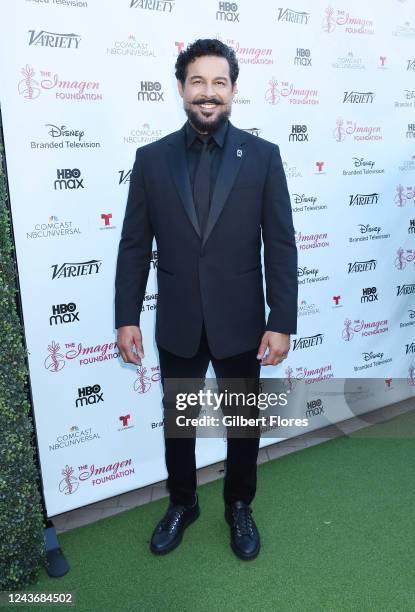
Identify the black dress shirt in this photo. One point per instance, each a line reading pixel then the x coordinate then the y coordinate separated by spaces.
pixel 194 148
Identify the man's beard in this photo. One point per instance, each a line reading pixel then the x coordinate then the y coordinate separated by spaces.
pixel 208 126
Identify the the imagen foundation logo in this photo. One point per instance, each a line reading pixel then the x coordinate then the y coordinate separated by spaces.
pixel 93 475
pixel 144 380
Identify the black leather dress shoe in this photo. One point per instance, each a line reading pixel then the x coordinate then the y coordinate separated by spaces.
pixel 169 531
pixel 245 540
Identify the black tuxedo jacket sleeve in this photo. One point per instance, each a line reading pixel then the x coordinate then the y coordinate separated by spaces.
pixel 218 277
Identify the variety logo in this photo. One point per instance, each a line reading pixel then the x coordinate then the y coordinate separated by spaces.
pixel 53 228
pixel 55 360
pixel 351 25
pixel 363 199
pixel 362 266
pixel 358 97
pixel 75 437
pixel 89 395
pixel 359 132
pixel 72 270
pixel 52 39
pixel 307 341
pixel 64 313
pixel 287 14
pixel 279 90
pixel 369 294
pixel 407 289
pixel 96 475
pixel 164 6
pixel 150 91
pixel 410 348
pixel 30 88
pixel 227 12
pixel 124 177
pixel 404 256
pixel 363 327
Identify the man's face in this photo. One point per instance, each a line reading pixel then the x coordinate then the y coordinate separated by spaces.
pixel 207 93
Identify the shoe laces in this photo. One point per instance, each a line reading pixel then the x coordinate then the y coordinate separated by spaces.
pixel 243 521
pixel 171 518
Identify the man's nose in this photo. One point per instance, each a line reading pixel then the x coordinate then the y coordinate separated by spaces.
pixel 209 91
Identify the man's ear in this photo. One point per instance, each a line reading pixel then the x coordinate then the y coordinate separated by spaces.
pixel 180 88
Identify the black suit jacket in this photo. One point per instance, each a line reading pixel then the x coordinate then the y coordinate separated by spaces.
pixel 217 277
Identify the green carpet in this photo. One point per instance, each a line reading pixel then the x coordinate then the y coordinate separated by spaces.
pixel 337 529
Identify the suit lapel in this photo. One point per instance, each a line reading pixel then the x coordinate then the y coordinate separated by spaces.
pixel 233 154
pixel 176 157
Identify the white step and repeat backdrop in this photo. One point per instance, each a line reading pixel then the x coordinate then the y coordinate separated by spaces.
pixel 83 84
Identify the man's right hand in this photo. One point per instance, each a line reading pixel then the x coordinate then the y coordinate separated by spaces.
pixel 129 336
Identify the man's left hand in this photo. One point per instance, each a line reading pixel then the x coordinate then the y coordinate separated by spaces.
pixel 278 345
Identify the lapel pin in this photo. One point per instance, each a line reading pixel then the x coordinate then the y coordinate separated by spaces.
pixel 239 152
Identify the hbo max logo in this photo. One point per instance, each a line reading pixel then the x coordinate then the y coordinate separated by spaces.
pixel 150 91
pixel 68 178
pixel 89 395
pixel 227 12
pixel 63 313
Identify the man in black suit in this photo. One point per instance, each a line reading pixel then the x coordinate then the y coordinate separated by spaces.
pixel 205 192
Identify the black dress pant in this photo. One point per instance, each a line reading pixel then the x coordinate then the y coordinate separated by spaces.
pixel 242 452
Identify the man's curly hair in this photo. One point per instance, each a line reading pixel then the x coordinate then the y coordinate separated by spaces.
pixel 206 46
